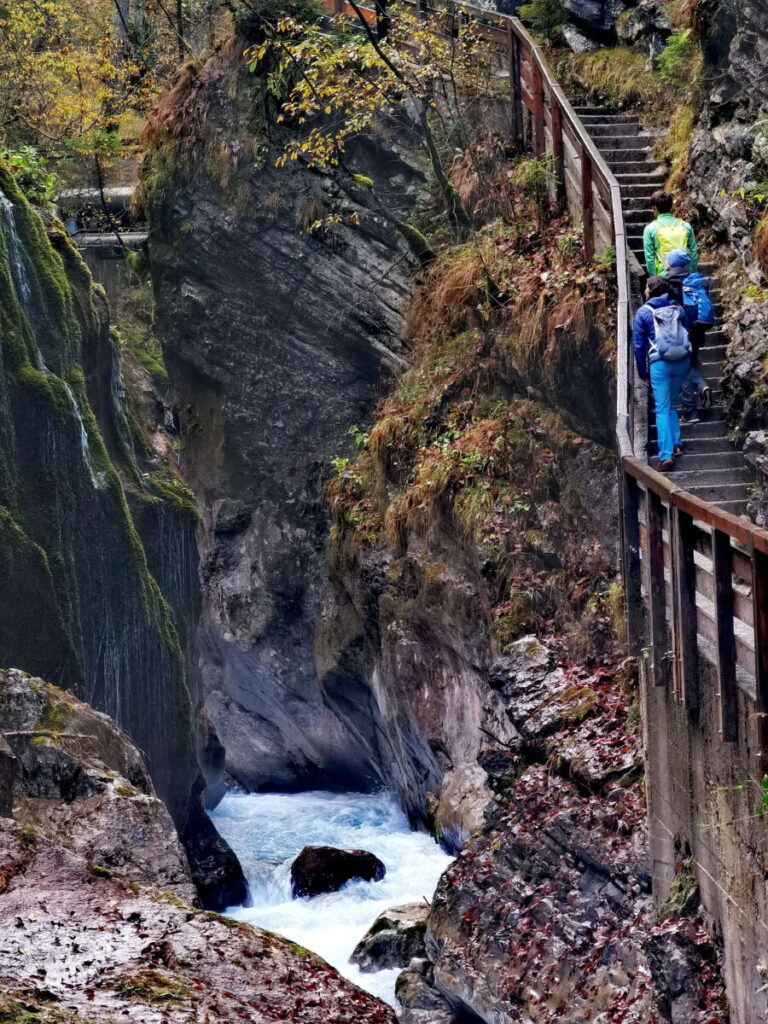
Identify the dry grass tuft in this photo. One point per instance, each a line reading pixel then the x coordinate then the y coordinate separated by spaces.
pixel 686 14
pixel 673 148
pixel 760 242
pixel 617 75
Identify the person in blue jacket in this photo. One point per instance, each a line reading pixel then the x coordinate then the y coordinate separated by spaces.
pixel 684 287
pixel 666 375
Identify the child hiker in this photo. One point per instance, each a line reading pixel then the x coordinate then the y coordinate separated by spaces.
pixel 663 355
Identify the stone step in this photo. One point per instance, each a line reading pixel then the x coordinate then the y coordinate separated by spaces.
pixel 594 110
pixel 703 477
pixel 599 127
pixel 711 424
pixel 698 461
pixel 718 494
pixel 631 161
pixel 641 183
pixel 712 356
pixel 635 190
pixel 714 338
pixel 707 446
pixel 604 117
pixel 638 209
pixel 629 140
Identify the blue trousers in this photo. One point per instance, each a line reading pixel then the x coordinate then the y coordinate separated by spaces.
pixel 666 381
pixel 691 389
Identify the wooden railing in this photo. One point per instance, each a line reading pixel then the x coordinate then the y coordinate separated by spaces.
pixel 696 577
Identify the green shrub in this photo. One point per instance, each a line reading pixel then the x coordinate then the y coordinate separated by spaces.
pixel 544 17
pixel 533 176
pixel 32 176
pixel 680 62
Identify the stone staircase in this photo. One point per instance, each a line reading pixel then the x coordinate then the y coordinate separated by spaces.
pixel 711 468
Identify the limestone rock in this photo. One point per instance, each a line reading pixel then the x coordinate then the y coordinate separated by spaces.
pixel 83 784
pixel 756 452
pixel 319 869
pixel 647 22
pixel 394 939
pixel 76 943
pixel 579 41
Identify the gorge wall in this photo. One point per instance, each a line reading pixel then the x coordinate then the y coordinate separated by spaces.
pixel 277 341
pixel 81 601
pixel 69 545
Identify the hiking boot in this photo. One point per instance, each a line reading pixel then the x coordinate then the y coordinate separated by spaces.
pixel 666 465
pixel 690 417
pixel 705 398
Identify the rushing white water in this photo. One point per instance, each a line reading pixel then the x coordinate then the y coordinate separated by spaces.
pixel 268 830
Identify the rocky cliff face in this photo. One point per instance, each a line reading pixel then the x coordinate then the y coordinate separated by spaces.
pixel 728 170
pixel 473 514
pixel 547 915
pixel 277 341
pixel 96 918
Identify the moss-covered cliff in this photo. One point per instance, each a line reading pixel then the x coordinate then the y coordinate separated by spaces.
pixel 79 604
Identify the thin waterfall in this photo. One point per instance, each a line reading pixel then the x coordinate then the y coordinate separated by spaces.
pixel 16 253
pixel 85 447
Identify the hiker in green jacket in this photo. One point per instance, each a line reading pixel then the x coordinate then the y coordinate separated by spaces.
pixel 666 233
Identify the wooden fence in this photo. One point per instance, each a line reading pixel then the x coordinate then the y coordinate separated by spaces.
pixel 696 577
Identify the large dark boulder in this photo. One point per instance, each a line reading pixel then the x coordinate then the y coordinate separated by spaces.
pixel 320 869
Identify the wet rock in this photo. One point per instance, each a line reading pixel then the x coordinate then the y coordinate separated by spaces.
pixel 757 509
pixel 394 939
pixel 82 783
pixel 675 962
pixel 402 648
pixel 76 943
pixel 319 869
pixel 546 914
pixel 422 1004
pixel 216 871
pixel 526 663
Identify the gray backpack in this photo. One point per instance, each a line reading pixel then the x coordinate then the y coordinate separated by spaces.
pixel 671 342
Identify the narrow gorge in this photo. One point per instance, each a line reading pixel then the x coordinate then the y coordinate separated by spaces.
pixel 344 673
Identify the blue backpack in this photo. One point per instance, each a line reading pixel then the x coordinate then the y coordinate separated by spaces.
pixel 698 304
pixel 670 341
